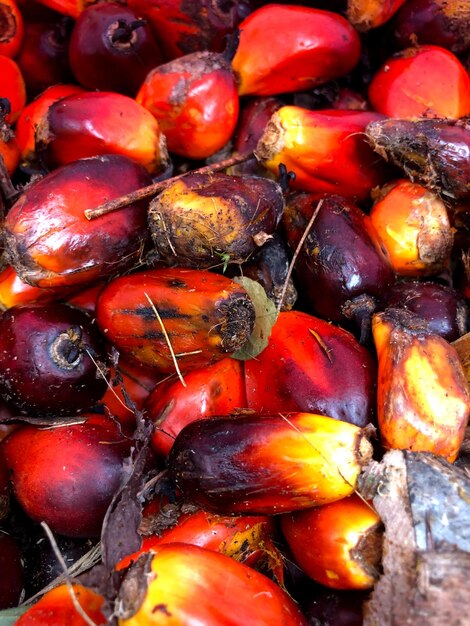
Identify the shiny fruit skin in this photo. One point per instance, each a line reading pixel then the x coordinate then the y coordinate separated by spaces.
pixel 12 87
pixel 310 365
pixel 188 585
pixel 48 346
pixel 14 291
pixel 195 101
pixel 206 316
pixel 54 473
pixel 56 607
pixel 94 123
pixel 50 241
pixel 267 464
pixel 12 33
pixel 306 47
pixel 104 57
pixel 409 85
pixel 217 389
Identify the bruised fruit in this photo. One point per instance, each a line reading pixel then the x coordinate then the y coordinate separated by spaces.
pixel 50 347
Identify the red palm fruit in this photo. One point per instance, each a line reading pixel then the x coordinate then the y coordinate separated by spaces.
pixel 9 152
pixel 94 123
pixel 195 101
pixel 217 389
pixel 202 220
pixel 50 241
pixel 267 464
pixel 423 402
pixel 12 30
pixel 57 607
pixel 409 85
pixel 86 299
pixel 367 14
pixel 247 539
pixel 311 365
pixel 444 308
pixel 11 572
pixel 254 117
pixel 338 544
pixel 326 150
pixel 188 585
pixel 54 472
pixel 201 315
pixel 413 225
pixel 342 266
pixel 439 22
pixel 433 152
pixel 111 49
pixel 131 382
pixel 306 47
pixel 32 114
pixel 184 27
pixel 14 291
pixel 73 8
pixel 43 58
pixel 12 88
pixel 50 346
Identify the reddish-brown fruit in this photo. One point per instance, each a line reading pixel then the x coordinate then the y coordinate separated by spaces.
pixel 4 487
pixel 50 346
pixel 310 365
pixel 112 49
pixel 95 123
pixel 217 389
pixel 188 585
pixel 338 544
pixel 423 402
pixel 201 316
pixel 43 57
pixel 367 14
pixel 195 100
pixel 185 27
pixel 439 22
pixel 57 607
pixel 306 47
pixel 11 572
pixel 267 464
pixel 326 150
pixel 254 117
pixel 409 85
pixel 54 472
pixel 33 113
pixel 52 244
pixel 12 88
pixel 11 28
pixel 413 226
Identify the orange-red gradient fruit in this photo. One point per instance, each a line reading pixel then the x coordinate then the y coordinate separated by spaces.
pixel 425 80
pixel 11 28
pixel 15 291
pixel 338 544
pixel 326 150
pixel 57 607
pixel 12 87
pixel 195 100
pixel 367 14
pixel 187 584
pixel 293 48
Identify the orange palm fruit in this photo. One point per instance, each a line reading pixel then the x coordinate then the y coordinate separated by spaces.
pixel 15 291
pixel 423 402
pixel 32 114
pixel 168 317
pixel 12 31
pixel 413 226
pixel 186 584
pixel 326 150
pixel 195 101
pixel 94 123
pixel 410 85
pixel 337 544
pixel 367 14
pixel 12 88
pixel 305 47
pixel 57 607
pixel 267 464
pixel 202 220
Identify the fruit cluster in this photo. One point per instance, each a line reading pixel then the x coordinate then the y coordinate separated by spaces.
pixel 235 257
